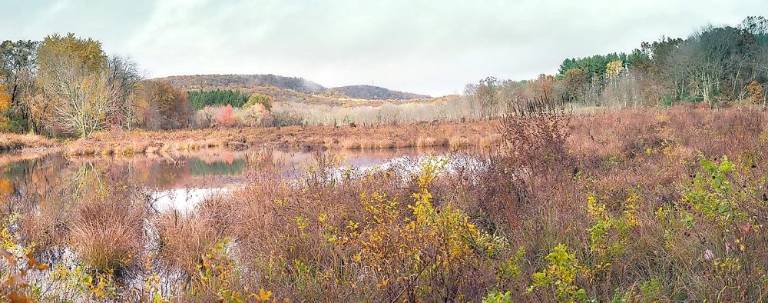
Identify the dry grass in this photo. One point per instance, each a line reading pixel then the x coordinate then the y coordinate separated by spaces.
pixel 449 134
pixel 108 228
pixel 184 240
pixel 9 142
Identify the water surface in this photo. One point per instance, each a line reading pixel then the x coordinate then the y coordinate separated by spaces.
pixel 180 182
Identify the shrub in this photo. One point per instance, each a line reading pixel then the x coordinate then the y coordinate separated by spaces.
pixel 163 106
pixel 498 297
pixel 225 116
pixel 257 99
pixel 185 240
pixel 560 276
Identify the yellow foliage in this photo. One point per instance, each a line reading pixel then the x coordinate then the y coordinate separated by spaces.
pixel 263 295
pixel 408 250
pixel 5 105
pixel 5 99
pixel 100 286
pixel 560 275
pixel 614 68
pixel 86 52
pixel 609 235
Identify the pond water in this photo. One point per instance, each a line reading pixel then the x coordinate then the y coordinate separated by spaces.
pixel 180 182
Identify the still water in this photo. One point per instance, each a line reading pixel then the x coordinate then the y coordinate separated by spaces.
pixel 180 182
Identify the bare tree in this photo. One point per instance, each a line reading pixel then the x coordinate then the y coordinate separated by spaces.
pixel 122 79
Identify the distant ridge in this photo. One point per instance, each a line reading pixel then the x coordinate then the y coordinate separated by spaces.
pixel 194 82
pixel 257 81
pixel 374 93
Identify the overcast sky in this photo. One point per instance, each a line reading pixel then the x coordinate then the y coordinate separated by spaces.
pixel 432 47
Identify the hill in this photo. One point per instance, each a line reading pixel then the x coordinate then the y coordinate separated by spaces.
pixel 196 82
pixel 275 86
pixel 374 93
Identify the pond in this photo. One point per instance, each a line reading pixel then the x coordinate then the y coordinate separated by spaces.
pixel 180 182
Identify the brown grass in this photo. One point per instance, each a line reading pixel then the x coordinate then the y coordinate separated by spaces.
pixel 9 142
pixel 108 228
pixel 455 135
pixel 184 240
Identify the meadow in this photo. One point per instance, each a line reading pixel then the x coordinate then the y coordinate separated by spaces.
pixel 633 205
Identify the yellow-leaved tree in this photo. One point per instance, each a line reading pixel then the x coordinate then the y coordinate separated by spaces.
pixel 73 77
pixel 614 68
pixel 5 106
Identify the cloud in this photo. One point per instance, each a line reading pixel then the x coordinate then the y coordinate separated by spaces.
pixel 430 47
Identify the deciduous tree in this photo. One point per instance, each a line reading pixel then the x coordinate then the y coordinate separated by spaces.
pixel 162 106
pixel 17 72
pixel 73 78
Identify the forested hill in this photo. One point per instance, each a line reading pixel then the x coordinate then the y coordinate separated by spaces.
pixel 257 82
pixel 206 82
pixel 374 93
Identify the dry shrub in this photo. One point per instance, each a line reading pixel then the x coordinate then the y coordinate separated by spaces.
pixel 533 158
pixel 49 227
pixel 15 141
pixel 534 134
pixel 651 155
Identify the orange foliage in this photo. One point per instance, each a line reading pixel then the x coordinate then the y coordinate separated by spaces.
pixel 5 99
pixel 6 187
pixel 5 104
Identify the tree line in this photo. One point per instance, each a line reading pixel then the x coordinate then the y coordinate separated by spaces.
pixel 65 85
pixel 716 65
pixel 200 99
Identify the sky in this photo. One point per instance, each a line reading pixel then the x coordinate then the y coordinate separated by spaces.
pixel 430 47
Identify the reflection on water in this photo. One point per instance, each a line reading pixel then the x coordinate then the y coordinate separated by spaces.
pixel 181 182
pixel 198 167
pixel 183 200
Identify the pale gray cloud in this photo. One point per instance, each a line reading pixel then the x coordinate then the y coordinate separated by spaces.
pixel 430 47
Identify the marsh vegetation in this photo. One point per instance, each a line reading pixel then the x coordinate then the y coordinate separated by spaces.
pixel 634 205
pixel 637 177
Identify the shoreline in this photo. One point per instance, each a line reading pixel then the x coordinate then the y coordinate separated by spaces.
pixel 453 135
pixel 449 135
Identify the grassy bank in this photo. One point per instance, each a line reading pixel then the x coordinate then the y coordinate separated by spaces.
pixel 11 142
pixel 453 135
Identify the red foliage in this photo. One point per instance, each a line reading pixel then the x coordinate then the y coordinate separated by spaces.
pixel 225 116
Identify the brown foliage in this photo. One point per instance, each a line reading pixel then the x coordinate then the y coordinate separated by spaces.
pixel 756 93
pixel 163 106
